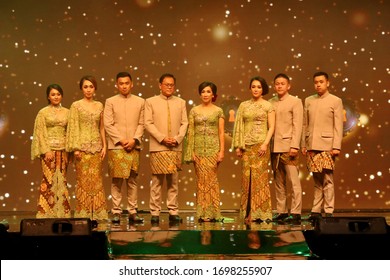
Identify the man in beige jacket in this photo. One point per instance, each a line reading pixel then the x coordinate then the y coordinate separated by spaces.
pixel 285 148
pixel 124 125
pixel 321 142
pixel 166 121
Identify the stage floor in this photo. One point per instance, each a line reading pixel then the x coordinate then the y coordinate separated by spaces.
pixel 191 239
pixel 13 219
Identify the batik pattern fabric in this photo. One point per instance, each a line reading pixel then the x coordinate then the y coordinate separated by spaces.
pixel 207 192
pixel 54 200
pixel 121 163
pixel 165 162
pixel 91 200
pixel 316 161
pixel 255 189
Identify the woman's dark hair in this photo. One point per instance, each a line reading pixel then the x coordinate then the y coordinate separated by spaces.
pixel 92 79
pixel 212 86
pixel 263 83
pixel 55 86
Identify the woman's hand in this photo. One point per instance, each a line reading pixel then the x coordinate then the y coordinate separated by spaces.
pixel 220 156
pixel 263 150
pixel 103 153
pixel 49 156
pixel 77 155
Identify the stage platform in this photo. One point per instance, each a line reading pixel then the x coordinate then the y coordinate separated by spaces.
pixel 348 235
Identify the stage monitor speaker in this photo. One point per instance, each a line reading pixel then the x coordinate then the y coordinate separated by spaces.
pixel 55 227
pixel 55 239
pixel 4 227
pixel 352 225
pixel 349 238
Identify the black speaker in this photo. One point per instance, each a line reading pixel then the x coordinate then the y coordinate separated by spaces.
pixel 4 227
pixel 54 239
pixel 352 225
pixel 349 238
pixel 55 227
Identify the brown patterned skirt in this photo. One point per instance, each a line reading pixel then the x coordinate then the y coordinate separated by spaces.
pixel 255 189
pixel 90 195
pixel 54 201
pixel 207 191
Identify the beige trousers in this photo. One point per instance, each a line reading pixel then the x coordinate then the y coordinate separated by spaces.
pixel 172 193
pixel 323 191
pixel 116 193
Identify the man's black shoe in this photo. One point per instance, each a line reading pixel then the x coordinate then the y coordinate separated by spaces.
pixel 155 220
pixel 314 216
pixel 293 219
pixel 134 218
pixel 328 215
pixel 174 218
pixel 279 217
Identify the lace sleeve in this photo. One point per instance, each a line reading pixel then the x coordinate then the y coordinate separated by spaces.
pixel 39 143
